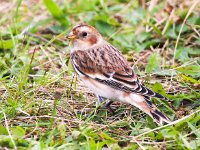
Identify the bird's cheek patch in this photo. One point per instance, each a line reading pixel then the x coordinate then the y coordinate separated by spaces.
pixel 93 40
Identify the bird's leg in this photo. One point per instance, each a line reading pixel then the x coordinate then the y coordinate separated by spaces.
pixel 100 99
pixel 107 105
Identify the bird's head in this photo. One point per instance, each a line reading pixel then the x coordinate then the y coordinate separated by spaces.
pixel 84 36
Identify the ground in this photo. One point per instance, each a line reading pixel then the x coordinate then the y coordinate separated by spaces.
pixel 43 105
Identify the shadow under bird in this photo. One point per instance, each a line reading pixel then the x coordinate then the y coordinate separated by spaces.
pixel 107 73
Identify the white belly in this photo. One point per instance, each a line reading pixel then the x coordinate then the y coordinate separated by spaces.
pixel 102 89
pixel 108 92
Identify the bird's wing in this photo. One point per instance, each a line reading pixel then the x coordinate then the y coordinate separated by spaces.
pixel 108 66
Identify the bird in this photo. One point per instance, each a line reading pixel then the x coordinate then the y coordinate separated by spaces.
pixel 105 71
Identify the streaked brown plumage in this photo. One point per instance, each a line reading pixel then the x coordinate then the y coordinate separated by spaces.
pixel 105 71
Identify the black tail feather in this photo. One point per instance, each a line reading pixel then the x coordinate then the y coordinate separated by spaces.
pixel 155 113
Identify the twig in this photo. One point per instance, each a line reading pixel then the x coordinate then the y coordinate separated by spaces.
pixel 30 133
pixel 7 128
pixel 172 123
pixel 138 144
pixel 179 34
pixel 168 21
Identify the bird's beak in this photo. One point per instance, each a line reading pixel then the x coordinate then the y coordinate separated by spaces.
pixel 71 36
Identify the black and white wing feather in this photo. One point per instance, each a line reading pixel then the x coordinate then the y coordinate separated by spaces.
pixel 108 66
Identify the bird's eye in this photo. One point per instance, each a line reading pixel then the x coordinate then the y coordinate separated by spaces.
pixel 84 34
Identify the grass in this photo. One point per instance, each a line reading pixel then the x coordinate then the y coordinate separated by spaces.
pixel 44 106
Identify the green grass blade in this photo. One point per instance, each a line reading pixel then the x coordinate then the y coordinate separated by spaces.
pixel 56 12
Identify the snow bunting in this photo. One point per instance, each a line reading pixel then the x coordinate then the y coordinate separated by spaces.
pixel 107 73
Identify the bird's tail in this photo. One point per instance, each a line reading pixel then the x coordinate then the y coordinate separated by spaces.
pixel 155 113
pixel 144 103
pixel 159 117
